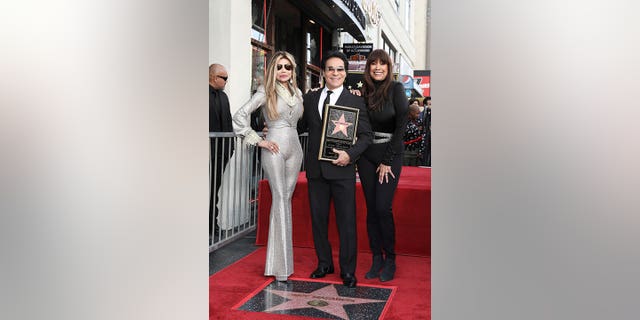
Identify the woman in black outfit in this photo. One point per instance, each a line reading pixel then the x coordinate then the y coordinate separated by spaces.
pixel 379 166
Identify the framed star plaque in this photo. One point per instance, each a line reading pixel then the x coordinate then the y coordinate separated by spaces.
pixel 338 130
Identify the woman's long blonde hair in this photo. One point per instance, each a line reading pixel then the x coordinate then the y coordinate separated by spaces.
pixel 271 81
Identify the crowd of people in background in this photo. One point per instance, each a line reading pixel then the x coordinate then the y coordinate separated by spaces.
pixel 417 135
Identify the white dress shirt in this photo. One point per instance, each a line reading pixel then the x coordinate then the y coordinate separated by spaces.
pixel 333 98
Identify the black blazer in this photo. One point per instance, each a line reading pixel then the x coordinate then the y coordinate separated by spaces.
pixel 311 121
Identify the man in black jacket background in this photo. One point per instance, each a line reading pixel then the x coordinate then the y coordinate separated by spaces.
pixel 219 121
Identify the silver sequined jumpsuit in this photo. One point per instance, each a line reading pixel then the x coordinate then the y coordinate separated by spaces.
pixel 281 170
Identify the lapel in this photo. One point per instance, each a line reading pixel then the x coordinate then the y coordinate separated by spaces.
pixel 342 97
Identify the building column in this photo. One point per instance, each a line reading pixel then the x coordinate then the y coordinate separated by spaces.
pixel 230 45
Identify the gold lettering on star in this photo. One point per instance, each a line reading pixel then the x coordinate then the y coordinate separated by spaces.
pixel 341 125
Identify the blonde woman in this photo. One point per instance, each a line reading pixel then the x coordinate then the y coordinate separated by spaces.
pixel 281 153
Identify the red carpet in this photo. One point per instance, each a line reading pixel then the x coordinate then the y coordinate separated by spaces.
pixel 234 284
pixel 411 212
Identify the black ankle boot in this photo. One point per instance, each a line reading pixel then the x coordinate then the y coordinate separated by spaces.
pixel 376 266
pixel 389 269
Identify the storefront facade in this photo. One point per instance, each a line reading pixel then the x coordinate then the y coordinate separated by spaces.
pixel 244 33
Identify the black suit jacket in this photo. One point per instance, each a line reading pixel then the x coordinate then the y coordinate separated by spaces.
pixel 311 120
pixel 219 111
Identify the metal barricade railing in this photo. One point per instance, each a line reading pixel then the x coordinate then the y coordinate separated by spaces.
pixel 304 141
pixel 234 175
pixel 234 167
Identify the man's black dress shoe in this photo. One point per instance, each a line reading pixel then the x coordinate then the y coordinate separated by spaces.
pixel 349 280
pixel 320 272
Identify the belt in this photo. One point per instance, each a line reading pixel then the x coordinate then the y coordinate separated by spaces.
pixel 381 137
pixel 282 126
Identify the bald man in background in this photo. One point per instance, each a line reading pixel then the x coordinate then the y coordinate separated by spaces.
pixel 219 121
pixel 219 110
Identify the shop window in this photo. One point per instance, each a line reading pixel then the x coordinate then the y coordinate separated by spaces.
pixel 260 49
pixel 312 77
pixel 258 63
pixel 386 46
pixel 313 44
pixel 257 20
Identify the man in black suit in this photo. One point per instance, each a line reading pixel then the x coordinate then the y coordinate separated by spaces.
pixel 334 179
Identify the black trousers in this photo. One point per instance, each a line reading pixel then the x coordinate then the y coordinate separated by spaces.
pixel 343 193
pixel 379 197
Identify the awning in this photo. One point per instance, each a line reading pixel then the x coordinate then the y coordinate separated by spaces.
pixel 345 14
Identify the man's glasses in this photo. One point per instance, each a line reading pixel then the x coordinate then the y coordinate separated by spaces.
pixel 286 66
pixel 224 78
pixel 332 69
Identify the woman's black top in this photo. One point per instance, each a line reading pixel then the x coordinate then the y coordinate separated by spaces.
pixel 392 118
